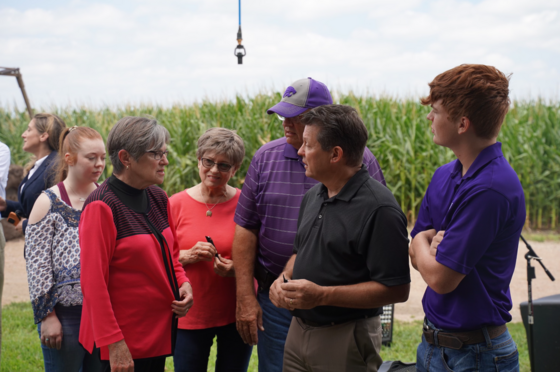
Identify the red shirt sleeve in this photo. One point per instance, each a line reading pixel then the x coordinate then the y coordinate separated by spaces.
pixel 98 236
pixel 179 271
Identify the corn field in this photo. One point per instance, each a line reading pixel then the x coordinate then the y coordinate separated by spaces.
pixel 399 136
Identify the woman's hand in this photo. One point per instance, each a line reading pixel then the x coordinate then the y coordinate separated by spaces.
pixel 180 308
pixel 3 204
pixel 51 331
pixel 202 251
pixel 120 357
pixel 224 267
pixel 19 226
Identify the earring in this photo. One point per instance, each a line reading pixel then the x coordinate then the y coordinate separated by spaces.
pixel 127 167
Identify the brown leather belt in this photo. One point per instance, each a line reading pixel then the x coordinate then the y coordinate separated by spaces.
pixel 456 340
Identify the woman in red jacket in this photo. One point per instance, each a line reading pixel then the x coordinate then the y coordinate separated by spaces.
pixel 133 285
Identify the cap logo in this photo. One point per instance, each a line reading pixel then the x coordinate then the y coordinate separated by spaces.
pixel 290 91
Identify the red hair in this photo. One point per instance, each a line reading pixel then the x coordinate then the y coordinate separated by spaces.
pixel 70 143
pixel 478 92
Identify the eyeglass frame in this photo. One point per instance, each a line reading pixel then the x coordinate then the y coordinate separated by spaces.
pixel 229 166
pixel 158 155
pixel 295 119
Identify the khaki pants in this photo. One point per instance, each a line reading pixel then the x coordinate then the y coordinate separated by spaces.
pixel 2 246
pixel 347 347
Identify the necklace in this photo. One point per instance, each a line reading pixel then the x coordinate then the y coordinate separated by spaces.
pixel 209 210
pixel 81 199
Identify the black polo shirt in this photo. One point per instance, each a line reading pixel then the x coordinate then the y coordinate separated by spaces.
pixel 356 236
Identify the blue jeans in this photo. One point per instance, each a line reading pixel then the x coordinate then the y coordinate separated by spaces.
pixel 276 323
pixel 193 349
pixel 72 357
pixel 499 354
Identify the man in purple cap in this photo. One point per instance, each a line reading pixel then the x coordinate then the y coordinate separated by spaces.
pixel 266 218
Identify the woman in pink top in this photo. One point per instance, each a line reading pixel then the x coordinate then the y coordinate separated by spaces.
pixel 207 210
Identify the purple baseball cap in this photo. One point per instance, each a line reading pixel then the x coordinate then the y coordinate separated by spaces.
pixel 302 95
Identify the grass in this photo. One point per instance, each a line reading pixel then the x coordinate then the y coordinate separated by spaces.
pixel 21 349
pixel 542 236
pixel 399 136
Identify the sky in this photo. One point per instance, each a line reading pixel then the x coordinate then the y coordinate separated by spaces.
pixel 99 53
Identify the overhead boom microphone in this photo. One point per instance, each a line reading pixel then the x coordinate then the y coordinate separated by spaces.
pixel 239 50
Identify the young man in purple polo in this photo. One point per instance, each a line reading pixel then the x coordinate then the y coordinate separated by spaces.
pixel 266 218
pixel 466 237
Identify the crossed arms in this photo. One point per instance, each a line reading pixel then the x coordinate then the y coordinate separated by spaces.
pixel 422 251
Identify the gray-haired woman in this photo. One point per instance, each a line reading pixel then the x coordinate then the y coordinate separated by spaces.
pixel 207 209
pixel 134 287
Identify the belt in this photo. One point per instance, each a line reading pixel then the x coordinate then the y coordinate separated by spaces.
pixel 456 340
pixel 264 277
pixel 322 324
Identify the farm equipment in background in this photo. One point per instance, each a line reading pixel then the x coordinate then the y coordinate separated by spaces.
pixel 7 71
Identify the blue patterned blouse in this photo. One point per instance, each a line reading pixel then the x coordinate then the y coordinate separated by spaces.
pixel 52 253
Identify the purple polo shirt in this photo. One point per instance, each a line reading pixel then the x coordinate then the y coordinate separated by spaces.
pixel 482 214
pixel 272 193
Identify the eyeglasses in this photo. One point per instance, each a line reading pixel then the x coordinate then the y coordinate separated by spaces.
pixel 293 119
pixel 222 167
pixel 158 155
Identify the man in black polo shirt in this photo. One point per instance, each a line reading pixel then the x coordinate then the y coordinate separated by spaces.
pixel 350 252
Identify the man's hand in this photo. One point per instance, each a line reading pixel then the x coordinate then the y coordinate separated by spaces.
pixel 19 226
pixel 3 204
pixel 120 358
pixel 180 308
pixel 439 277
pixel 202 251
pixel 277 294
pixel 429 235
pixel 435 242
pixel 51 331
pixel 417 242
pixel 248 318
pixel 302 294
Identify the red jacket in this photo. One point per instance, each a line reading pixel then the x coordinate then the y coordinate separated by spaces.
pixel 126 289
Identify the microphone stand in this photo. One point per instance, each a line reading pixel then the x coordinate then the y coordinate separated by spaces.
pixel 531 255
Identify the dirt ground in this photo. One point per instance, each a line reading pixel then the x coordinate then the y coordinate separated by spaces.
pixel 16 290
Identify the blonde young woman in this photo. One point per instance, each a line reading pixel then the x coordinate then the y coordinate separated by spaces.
pixel 53 252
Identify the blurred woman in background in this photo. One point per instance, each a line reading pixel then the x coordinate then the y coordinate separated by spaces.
pixel 207 209
pixel 41 138
pixel 53 252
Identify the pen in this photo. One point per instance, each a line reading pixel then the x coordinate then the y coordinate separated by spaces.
pixel 209 240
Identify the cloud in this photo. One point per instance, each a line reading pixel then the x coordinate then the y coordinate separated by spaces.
pixel 117 52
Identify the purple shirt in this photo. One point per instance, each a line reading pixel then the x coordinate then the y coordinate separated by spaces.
pixel 272 193
pixel 482 214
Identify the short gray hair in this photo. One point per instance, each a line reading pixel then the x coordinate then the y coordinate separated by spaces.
pixel 136 135
pixel 222 141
